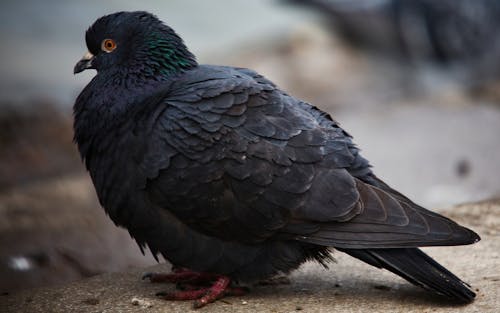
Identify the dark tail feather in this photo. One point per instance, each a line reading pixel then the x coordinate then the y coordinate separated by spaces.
pixel 418 268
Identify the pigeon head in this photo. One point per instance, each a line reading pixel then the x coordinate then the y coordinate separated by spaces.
pixel 134 43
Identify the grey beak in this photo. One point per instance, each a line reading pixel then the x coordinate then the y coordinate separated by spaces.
pixel 84 63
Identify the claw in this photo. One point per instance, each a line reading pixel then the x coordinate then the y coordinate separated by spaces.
pixel 202 287
pixel 213 293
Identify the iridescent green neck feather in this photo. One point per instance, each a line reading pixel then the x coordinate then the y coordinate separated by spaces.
pixel 167 54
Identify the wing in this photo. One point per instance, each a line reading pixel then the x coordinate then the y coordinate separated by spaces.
pixel 235 158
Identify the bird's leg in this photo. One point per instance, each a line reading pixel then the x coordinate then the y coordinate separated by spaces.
pixel 204 295
pixel 200 286
pixel 181 276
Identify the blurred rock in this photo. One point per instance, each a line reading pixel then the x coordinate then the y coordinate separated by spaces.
pixel 55 231
pixel 35 143
pixel 445 31
pixel 457 37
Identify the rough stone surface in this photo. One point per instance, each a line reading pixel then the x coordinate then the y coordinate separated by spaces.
pixel 53 231
pixel 348 286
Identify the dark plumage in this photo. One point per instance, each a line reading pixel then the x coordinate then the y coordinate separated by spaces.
pixel 221 172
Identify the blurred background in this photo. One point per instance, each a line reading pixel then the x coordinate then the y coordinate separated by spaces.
pixel 416 82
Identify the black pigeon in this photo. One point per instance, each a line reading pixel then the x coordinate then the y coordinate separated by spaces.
pixel 231 179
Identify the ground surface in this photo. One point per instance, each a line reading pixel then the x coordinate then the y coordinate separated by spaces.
pixel 348 286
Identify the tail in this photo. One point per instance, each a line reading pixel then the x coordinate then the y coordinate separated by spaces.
pixel 418 268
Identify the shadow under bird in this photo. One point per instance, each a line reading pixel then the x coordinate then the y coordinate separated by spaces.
pixel 231 179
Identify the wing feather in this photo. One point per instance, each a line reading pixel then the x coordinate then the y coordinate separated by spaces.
pixel 246 162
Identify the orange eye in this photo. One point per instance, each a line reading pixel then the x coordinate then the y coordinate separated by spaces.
pixel 108 45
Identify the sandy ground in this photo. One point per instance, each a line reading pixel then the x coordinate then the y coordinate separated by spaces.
pixel 348 286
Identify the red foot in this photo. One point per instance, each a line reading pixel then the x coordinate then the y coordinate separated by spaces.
pixel 181 275
pixel 203 287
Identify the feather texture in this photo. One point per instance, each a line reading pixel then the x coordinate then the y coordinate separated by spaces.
pixel 218 170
